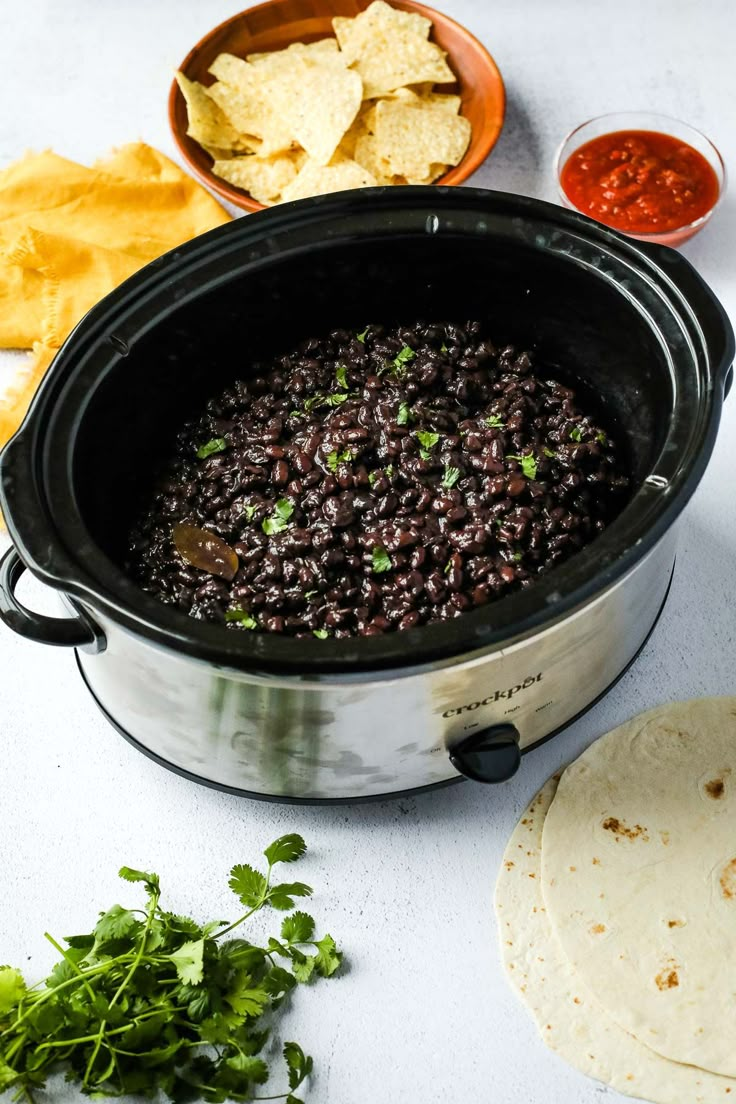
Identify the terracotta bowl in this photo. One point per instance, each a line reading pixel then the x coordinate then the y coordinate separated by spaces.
pixel 277 23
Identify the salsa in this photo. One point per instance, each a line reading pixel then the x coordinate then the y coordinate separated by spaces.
pixel 640 181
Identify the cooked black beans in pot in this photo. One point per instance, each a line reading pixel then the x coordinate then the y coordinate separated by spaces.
pixel 367 483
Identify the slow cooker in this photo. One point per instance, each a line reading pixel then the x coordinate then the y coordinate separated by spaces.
pixel 633 325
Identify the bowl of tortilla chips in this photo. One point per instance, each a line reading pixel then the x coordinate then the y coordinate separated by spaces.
pixel 295 98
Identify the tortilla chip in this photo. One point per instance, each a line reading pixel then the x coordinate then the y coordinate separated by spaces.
pixel 366 154
pixel 413 138
pixel 387 63
pixel 246 101
pixel 263 177
pixel 442 101
pixel 324 49
pixel 316 179
pixel 207 123
pixel 378 21
pixel 317 102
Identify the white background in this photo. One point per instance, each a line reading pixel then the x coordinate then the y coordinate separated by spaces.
pixel 423 1014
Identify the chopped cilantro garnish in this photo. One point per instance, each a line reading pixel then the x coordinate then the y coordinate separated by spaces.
pixel 295 414
pixel 334 458
pixel 337 399
pixel 443 348
pixel 242 617
pixel 528 465
pixel 494 421
pixel 217 444
pixel 576 434
pixel 451 476
pixel 250 512
pixel 548 452
pixel 448 567
pixel 341 376
pixel 403 357
pixel 427 439
pixel 310 594
pixel 362 336
pixel 372 478
pixel 381 560
pixel 600 438
pixel 402 418
pixel 277 521
pixel 389 470
pixel 321 634
pixel 517 556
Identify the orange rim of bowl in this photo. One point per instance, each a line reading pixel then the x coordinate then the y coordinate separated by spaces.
pixel 472 160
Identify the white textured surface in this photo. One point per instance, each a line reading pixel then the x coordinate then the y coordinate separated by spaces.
pixel 424 1013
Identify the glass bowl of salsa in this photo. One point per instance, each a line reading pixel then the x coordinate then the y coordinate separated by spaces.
pixel 650 176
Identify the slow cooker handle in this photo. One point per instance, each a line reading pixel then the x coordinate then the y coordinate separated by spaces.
pixel 712 318
pixel 66 632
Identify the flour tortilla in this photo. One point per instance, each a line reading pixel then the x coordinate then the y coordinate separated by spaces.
pixel 571 1022
pixel 639 878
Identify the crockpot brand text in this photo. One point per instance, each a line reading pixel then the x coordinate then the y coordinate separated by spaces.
pixel 497 695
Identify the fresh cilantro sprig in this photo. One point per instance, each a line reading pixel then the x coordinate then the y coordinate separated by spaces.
pixel 334 458
pixel 495 421
pixel 576 434
pixel 528 464
pixel 402 358
pixel 279 519
pixel 242 617
pixel 150 1002
pixel 450 477
pixel 217 444
pixel 427 441
pixel 380 560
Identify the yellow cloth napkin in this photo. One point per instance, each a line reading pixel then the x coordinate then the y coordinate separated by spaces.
pixel 70 234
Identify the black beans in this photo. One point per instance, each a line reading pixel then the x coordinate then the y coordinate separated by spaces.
pixel 441 483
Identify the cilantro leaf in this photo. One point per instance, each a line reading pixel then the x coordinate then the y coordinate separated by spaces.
pixel 402 418
pixel 188 960
pixel 494 421
pixel 362 336
pixel 548 452
pixel 403 357
pixel 321 634
pixel 302 966
pixel 131 875
pixel 341 376
pixel 443 348
pixel 576 434
pixel 297 928
pixel 388 471
pixel 116 923
pixel 278 520
pixel 242 617
pixel 248 885
pixel 334 458
pixel 601 438
pixel 249 512
pixel 245 998
pixel 282 896
pixel 427 439
pixel 450 477
pixel 372 478
pixel 528 464
pixel 285 849
pixel 12 986
pixel 328 958
pixel 298 1064
pixel 217 444
pixel 381 561
pixel 336 399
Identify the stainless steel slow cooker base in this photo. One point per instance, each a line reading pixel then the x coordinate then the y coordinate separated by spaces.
pixel 284 800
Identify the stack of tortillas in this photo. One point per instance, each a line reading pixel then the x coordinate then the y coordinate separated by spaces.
pixel 616 904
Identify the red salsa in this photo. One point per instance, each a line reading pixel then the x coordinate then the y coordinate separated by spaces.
pixel 640 181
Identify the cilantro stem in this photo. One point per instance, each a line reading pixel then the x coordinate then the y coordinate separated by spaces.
pixel 46 994
pixel 113 1031
pixel 68 958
